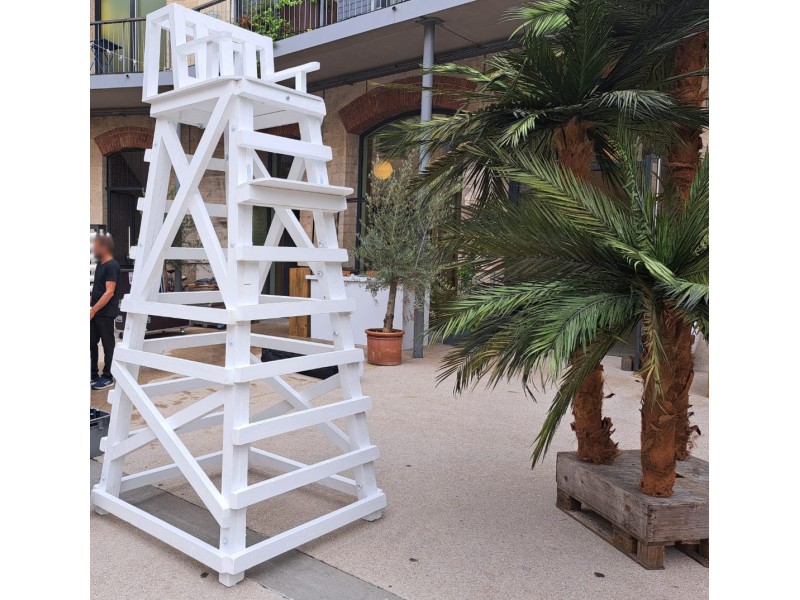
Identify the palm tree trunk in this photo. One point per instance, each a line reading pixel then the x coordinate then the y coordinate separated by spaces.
pixel 576 152
pixel 659 412
pixel 683 160
pixel 388 320
pixel 592 430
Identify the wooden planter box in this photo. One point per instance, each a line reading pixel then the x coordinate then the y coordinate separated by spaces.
pixel 607 500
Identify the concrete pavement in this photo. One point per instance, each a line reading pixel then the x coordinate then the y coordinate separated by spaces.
pixel 467 517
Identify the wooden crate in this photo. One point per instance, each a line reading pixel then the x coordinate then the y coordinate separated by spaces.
pixel 607 500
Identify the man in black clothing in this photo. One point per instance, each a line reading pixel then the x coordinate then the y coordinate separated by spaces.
pixel 104 309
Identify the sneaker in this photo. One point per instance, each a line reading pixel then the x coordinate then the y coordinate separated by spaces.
pixel 103 383
pixel 94 380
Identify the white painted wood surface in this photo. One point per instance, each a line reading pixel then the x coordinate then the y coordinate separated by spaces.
pixel 225 82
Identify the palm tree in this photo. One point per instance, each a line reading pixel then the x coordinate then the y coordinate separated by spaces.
pixel 563 94
pixel 581 267
pixel 546 17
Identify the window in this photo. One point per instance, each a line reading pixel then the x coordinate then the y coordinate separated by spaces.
pixel 126 179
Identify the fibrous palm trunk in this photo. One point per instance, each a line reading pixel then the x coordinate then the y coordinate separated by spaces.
pixel 575 152
pixel 683 160
pixel 659 410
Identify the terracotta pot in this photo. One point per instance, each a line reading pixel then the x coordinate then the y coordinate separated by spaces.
pixel 384 349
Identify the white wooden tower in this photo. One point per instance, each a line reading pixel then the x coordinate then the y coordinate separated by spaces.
pixel 225 83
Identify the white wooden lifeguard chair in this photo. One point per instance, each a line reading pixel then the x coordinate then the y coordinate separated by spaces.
pixel 225 83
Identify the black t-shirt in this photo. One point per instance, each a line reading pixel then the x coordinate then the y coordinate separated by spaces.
pixel 106 272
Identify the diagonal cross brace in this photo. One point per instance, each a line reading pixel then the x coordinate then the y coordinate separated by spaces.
pixel 198 479
pixel 190 180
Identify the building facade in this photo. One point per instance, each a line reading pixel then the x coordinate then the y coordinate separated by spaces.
pixel 360 44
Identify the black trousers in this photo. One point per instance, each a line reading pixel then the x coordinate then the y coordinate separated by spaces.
pixel 102 329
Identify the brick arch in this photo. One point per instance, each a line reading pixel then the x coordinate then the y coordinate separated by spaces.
pixel 382 103
pixel 120 138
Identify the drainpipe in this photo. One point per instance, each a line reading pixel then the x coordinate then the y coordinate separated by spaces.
pixel 426 113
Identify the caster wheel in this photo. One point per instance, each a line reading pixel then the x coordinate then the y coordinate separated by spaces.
pixel 119 335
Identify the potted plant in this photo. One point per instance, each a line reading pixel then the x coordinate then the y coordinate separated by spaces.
pixel 581 267
pixel 396 246
pixel 583 68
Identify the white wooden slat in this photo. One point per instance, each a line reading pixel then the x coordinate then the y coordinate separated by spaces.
pixel 173 386
pixel 276 183
pixel 177 253
pixel 273 342
pixel 213 209
pixel 293 227
pixel 297 364
pixel 281 97
pixel 211 244
pixel 292 72
pixel 176 421
pixel 179 342
pixel 159 474
pixel 337 437
pixel 287 254
pixel 247 434
pixel 170 105
pixel 259 195
pixel 284 465
pixel 276 118
pixel 281 145
pixel 160 529
pixel 275 486
pixel 197 297
pixel 203 314
pixel 299 308
pixel 192 46
pixel 306 532
pixel 213 500
pixel 172 364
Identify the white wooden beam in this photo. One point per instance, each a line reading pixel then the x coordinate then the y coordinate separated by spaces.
pixel 278 544
pixel 275 486
pixel 295 365
pixel 202 485
pixel 288 254
pixel 160 529
pixel 282 464
pixel 172 364
pixel 247 434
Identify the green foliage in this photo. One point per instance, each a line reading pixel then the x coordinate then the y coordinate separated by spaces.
pixel 397 243
pixel 600 62
pixel 573 267
pixel 269 19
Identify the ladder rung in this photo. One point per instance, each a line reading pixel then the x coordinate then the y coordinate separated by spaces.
pixel 297 308
pixel 257 194
pixel 283 255
pixel 281 145
pixel 247 434
pixel 305 475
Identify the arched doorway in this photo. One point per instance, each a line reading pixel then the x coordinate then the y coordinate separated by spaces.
pixel 126 179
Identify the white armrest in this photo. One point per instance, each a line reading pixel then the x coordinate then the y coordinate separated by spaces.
pixel 292 72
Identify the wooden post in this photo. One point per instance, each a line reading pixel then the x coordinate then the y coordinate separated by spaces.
pixel 300 287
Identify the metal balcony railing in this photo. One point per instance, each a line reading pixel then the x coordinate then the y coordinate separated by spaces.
pixel 117 46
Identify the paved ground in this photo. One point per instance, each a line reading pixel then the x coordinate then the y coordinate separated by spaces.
pixel 467 517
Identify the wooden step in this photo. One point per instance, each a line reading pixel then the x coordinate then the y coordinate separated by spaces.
pixel 298 195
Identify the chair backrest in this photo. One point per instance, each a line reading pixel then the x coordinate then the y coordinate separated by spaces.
pixel 201 48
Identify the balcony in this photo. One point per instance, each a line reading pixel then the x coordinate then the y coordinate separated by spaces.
pixel 117 46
